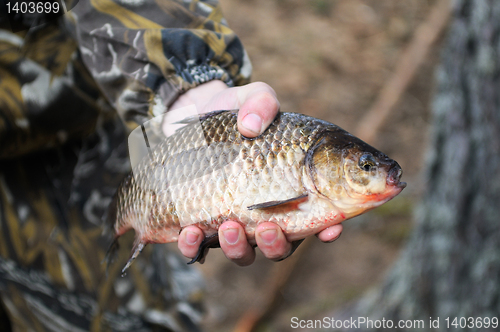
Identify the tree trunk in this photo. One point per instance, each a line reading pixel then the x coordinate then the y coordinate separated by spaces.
pixel 451 264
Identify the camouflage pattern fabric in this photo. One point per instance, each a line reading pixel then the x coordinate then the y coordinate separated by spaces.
pixel 63 152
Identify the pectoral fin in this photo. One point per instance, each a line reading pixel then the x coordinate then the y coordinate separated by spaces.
pixel 292 203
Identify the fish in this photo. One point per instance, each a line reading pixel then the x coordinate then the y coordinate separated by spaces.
pixel 302 173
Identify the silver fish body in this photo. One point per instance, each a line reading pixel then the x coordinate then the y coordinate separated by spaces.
pixel 302 173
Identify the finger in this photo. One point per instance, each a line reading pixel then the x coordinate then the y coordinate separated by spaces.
pixel 258 108
pixel 189 241
pixel 330 234
pixel 257 104
pixel 271 241
pixel 234 243
pixel 199 96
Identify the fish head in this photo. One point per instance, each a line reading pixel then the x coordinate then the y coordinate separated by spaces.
pixel 352 175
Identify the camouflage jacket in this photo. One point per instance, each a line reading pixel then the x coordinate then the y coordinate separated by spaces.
pixel 70 91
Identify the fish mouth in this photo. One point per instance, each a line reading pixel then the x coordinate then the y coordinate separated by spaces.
pixel 394 177
pixel 401 185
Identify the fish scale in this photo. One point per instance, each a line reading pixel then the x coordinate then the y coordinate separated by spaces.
pixel 207 173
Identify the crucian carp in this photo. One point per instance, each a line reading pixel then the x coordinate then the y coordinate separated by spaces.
pixel 302 173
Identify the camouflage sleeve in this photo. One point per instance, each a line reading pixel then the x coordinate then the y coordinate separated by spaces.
pixel 46 94
pixel 144 54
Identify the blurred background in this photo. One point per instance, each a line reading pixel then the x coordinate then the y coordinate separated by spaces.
pixel 330 59
pixel 384 71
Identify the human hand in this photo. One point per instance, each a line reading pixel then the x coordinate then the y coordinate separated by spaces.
pixel 258 106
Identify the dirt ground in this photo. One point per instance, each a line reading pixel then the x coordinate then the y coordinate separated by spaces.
pixel 329 59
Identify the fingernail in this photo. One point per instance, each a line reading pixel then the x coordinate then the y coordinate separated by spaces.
pixel 192 238
pixel 268 236
pixel 231 235
pixel 252 122
pixel 335 239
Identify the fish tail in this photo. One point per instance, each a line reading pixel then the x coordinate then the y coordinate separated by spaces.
pixel 116 227
pixel 111 253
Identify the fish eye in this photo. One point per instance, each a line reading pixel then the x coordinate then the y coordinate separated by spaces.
pixel 366 162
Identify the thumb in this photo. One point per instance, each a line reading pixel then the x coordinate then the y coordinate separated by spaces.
pixel 258 108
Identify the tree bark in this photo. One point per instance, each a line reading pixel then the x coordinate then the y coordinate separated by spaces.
pixel 450 266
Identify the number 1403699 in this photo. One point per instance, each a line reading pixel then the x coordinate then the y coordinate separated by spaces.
pixel 22 7
pixel 471 322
